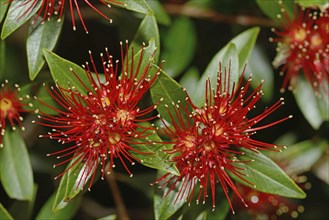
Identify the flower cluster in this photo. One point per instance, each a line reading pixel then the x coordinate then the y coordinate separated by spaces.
pixel 48 8
pixel 11 108
pixel 207 141
pixel 103 124
pixel 303 45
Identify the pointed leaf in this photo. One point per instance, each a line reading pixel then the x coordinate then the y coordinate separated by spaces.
pixel 15 167
pixel 313 3
pixel 166 205
pixel 4 214
pixel 41 36
pixel 135 5
pixel 156 157
pixel 267 176
pixel 60 70
pixel 179 46
pixel 18 14
pixel 72 183
pixel 169 91
pixel 159 12
pixel 147 32
pixel 66 213
pixel 190 80
pixel 228 58
pixel 109 217
pixel 315 109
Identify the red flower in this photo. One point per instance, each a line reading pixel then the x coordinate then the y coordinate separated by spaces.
pixel 102 124
pixel 206 145
pixel 304 46
pixel 49 8
pixel 11 108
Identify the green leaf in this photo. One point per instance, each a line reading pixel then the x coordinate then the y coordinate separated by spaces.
pixel 4 214
pixel 15 167
pixel 66 213
pixel 179 46
pixel 267 176
pixel 228 58
pixel 164 207
pixel 25 207
pixel 190 80
pixel 17 15
pixel 314 3
pixel 147 32
pixel 72 183
pixel 159 12
pixel 169 91
pixel 156 157
pixel 317 108
pixel 273 9
pixel 60 70
pixel 3 8
pixel 134 5
pixel 2 58
pixel 300 157
pixel 41 36
pixel 261 69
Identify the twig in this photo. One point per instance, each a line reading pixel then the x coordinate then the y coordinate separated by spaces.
pixel 207 14
pixel 120 206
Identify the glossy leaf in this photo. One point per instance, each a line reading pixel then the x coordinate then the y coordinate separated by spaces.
pixel 134 5
pixel 15 167
pixel 179 46
pixel 41 36
pixel 17 15
pixel 2 58
pixel 66 213
pixel 228 58
pixel 301 157
pixel 155 156
pixel 60 71
pixel 267 176
pixel 109 217
pixel 166 205
pixel 4 214
pixel 147 32
pixel 273 9
pixel 72 183
pixel 316 109
pixel 169 91
pixel 3 8
pixel 260 68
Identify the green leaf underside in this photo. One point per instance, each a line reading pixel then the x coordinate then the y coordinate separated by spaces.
pixel 267 176
pixel 164 207
pixel 179 46
pixel 109 217
pixel 4 214
pixel 71 183
pixel 159 12
pixel 169 91
pixel 41 36
pixel 60 71
pixel 190 80
pixel 228 58
pixel 15 167
pixel 313 3
pixel 135 5
pixel 16 17
pixel 67 212
pixel 155 156
pixel 316 109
